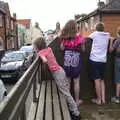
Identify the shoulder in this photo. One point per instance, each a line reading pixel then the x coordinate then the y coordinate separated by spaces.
pixel 43 51
pixel 80 38
pixel 93 34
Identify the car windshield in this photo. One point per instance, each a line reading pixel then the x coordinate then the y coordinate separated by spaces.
pixel 27 49
pixel 13 56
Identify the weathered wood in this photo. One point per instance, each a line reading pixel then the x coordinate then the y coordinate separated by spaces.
pixel 23 113
pixel 48 110
pixel 32 111
pixel 56 105
pixel 11 107
pixel 34 89
pixel 64 107
pixel 40 109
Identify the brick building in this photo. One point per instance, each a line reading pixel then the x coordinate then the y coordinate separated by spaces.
pixel 108 13
pixel 8 28
pixel 25 22
pixel 2 29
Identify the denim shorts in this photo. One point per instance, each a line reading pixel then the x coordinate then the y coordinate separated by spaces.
pixel 96 70
pixel 117 71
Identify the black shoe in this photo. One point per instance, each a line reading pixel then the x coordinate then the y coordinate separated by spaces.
pixel 77 117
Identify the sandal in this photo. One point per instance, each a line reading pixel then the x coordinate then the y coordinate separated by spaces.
pixel 95 101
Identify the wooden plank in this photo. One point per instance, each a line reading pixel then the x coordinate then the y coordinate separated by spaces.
pixel 40 110
pixel 33 107
pixel 64 107
pixel 56 105
pixel 48 110
pixel 31 114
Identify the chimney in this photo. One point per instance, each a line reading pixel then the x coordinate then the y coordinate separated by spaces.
pixel 108 1
pixel 101 4
pixel 14 15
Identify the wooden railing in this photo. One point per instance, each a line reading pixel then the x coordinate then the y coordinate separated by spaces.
pixel 16 105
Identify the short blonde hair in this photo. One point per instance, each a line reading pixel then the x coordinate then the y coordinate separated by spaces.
pixel 100 26
pixel 39 43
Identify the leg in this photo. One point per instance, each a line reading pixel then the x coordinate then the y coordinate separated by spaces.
pixel 103 91
pixel 69 82
pixel 118 89
pixel 77 90
pixel 61 82
pixel 98 90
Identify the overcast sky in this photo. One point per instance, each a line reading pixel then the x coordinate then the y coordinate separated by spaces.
pixel 48 12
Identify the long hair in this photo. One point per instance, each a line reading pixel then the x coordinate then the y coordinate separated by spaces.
pixel 39 43
pixel 69 31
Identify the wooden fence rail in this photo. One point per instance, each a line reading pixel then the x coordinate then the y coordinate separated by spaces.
pixel 14 106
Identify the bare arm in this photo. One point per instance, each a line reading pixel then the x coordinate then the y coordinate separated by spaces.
pixel 111 48
pixel 44 59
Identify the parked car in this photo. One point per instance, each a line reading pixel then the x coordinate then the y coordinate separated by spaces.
pixel 13 64
pixel 28 49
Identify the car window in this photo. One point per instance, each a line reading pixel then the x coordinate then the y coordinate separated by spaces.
pixel 27 49
pixel 13 56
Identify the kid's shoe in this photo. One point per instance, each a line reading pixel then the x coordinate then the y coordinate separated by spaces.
pixel 77 117
pixel 115 99
pixel 74 117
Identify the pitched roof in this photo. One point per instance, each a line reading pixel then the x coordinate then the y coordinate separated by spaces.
pixel 111 7
pixel 4 7
pixel 25 22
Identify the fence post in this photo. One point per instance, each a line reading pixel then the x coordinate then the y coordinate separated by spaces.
pixel 34 88
pixel 39 74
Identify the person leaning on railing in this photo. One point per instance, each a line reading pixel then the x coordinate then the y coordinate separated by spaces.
pixel 47 56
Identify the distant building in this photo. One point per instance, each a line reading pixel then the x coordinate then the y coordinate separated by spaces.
pixel 8 28
pixel 108 13
pixel 26 23
pixel 36 32
pixel 31 32
pixel 21 35
pixel 2 29
pixel 57 27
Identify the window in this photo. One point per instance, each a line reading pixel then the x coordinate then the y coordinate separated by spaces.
pixel 12 26
pixel 86 25
pixel 8 25
pixel 1 21
pixel 92 23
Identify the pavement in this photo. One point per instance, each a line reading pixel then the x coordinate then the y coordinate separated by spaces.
pixel 108 111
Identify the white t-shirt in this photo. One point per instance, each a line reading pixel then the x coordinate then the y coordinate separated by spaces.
pixel 99 46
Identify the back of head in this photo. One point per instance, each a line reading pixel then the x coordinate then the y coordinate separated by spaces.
pixel 69 31
pixel 100 27
pixel 39 43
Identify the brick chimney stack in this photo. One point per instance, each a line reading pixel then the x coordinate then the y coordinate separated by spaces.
pixel 101 4
pixel 14 15
pixel 108 1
